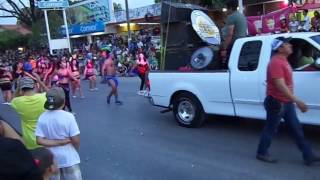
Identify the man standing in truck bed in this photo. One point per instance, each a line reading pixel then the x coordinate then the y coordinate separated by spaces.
pixel 236 27
pixel 280 103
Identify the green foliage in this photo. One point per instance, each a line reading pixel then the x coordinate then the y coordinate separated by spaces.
pixel 35 39
pixel 157 1
pixel 12 40
pixel 55 22
pixel 214 4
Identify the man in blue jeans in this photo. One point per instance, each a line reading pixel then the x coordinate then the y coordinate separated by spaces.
pixel 280 103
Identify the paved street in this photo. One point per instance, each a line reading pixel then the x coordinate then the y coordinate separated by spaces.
pixel 136 142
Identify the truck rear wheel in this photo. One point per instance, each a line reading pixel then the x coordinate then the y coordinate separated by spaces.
pixel 188 111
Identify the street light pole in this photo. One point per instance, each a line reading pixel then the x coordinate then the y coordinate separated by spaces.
pixel 128 22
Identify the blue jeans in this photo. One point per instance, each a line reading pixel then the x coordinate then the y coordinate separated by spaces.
pixel 275 112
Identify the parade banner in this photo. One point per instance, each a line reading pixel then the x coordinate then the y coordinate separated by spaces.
pixel 254 25
pixel 268 23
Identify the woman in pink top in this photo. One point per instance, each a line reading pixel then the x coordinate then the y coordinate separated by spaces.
pixel 75 85
pixel 90 73
pixel 64 76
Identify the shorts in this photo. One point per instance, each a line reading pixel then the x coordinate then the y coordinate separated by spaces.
pixel 6 87
pixel 108 78
pixel 68 173
pixel 89 76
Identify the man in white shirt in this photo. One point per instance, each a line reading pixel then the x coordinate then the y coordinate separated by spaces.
pixel 306 21
pixel 56 124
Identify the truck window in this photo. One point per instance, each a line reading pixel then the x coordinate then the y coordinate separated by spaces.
pixel 304 55
pixel 249 56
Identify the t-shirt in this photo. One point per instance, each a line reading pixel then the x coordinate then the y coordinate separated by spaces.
pixel 293 26
pixel 240 25
pixel 279 68
pixel 59 124
pixel 16 162
pixel 304 60
pixel 29 108
pixel 307 23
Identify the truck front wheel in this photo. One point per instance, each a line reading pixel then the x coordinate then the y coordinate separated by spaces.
pixel 188 111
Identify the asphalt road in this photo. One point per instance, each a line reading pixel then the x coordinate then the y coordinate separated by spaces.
pixel 136 142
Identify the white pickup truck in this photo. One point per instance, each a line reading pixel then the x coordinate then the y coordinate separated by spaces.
pixel 240 89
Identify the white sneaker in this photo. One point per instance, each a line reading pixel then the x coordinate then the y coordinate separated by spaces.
pixel 91 89
pixel 141 93
pixel 146 94
pixel 74 96
pixel 6 103
pixel 96 89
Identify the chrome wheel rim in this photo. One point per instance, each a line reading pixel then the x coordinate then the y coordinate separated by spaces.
pixel 186 111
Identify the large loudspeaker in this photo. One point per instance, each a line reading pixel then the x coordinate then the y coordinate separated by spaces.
pixel 177 58
pixel 178 11
pixel 181 34
pixel 181 40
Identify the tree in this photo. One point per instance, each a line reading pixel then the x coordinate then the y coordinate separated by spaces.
pixel 25 14
pixel 12 39
pixel 117 7
pixel 214 4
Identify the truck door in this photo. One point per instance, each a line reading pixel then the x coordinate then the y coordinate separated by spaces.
pixel 246 81
pixel 306 78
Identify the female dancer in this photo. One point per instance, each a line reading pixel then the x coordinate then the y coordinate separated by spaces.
pixel 74 67
pixel 41 69
pixel 143 71
pixel 90 74
pixel 50 78
pixel 5 84
pixel 17 72
pixel 64 75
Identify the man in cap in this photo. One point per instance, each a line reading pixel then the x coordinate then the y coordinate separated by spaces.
pixel 29 105
pixel 236 27
pixel 280 103
pixel 58 130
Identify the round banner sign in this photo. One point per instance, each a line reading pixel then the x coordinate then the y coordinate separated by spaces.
pixel 205 27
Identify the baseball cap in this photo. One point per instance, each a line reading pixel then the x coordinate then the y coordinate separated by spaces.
pixel 26 82
pixel 279 41
pixel 55 98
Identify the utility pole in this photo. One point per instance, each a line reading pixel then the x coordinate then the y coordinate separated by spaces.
pixel 241 6
pixel 128 22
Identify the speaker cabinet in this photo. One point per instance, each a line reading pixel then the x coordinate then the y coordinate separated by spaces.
pixel 177 11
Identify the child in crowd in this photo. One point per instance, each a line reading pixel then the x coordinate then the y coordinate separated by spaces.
pixel 44 160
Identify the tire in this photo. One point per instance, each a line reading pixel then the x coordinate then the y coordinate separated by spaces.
pixel 188 111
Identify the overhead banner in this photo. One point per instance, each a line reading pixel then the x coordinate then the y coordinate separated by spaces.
pixel 52 4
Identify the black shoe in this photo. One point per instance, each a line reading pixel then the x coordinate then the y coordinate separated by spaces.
pixel 108 100
pixel 312 161
pixel 266 158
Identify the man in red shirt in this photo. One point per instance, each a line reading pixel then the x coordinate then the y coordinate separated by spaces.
pixel 280 103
